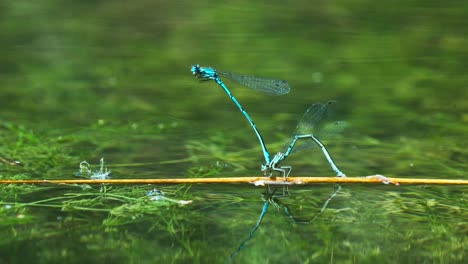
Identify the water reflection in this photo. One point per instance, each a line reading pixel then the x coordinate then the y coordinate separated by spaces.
pixel 269 196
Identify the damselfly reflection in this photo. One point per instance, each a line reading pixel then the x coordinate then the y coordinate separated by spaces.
pixel 271 198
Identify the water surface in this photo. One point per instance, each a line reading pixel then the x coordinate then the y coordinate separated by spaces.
pixel 85 80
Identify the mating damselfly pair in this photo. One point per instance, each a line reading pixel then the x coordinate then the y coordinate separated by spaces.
pixel 304 130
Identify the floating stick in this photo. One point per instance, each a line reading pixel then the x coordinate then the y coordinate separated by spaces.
pixel 259 181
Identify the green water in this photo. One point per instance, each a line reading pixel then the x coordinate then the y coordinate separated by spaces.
pixel 89 79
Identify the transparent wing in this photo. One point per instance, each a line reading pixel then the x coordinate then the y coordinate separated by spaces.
pixel 312 117
pixel 314 122
pixel 325 131
pixel 265 85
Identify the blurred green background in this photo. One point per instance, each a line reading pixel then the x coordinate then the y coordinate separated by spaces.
pixel 81 80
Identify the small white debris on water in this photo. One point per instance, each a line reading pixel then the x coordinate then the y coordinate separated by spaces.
pixel 86 170
pixel 382 178
pixel 157 195
pixel 259 183
pixel 184 202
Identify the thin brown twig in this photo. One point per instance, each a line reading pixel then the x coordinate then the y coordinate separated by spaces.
pixel 252 180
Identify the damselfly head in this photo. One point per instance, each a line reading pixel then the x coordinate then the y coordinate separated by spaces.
pixel 195 69
pixel 204 73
